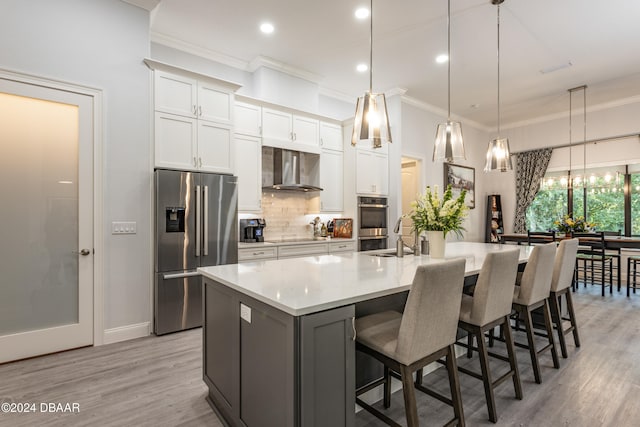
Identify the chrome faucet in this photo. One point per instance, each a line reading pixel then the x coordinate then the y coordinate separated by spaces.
pixel 400 244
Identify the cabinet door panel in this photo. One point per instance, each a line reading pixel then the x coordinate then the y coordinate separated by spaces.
pixel 249 170
pixel 214 104
pixel 175 94
pixel 214 147
pixel 331 180
pixel 248 119
pixel 305 131
pixel 382 173
pixel 331 136
pixel 175 141
pixel 276 127
pixel 364 172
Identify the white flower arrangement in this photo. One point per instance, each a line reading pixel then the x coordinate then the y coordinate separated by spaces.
pixel 430 213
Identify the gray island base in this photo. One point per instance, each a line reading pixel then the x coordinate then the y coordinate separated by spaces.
pixel 278 338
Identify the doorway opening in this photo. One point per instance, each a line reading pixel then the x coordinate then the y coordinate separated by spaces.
pixel 411 171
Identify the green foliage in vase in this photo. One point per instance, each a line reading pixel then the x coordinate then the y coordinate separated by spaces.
pixel 432 213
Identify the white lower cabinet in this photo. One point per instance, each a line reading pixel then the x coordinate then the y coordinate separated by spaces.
pixel 294 251
pixel 257 254
pixel 372 173
pixel 249 170
pixel 345 246
pixel 331 181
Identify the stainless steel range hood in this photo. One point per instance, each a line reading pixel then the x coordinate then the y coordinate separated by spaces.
pixel 286 172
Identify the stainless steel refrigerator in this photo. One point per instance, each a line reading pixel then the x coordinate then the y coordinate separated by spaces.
pixel 196 225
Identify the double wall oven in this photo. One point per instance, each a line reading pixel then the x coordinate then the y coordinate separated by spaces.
pixel 372 222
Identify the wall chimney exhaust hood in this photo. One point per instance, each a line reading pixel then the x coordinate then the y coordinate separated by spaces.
pixel 286 171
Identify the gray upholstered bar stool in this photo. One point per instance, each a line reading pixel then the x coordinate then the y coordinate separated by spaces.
pixel 424 333
pixel 560 283
pixel 489 307
pixel 532 292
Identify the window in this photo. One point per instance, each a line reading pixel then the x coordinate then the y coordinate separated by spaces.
pixel 605 200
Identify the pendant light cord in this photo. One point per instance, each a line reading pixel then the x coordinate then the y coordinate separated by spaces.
pixel 449 61
pixel 498 71
pixel 371 48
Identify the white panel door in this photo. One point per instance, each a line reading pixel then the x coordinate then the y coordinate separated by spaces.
pixel 276 128
pixel 331 181
pixel 215 153
pixel 176 143
pixel 331 136
pixel 249 170
pixel 306 131
pixel 248 119
pixel 215 104
pixel 46 187
pixel 175 94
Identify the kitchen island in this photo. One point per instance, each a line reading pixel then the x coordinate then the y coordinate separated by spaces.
pixel 278 336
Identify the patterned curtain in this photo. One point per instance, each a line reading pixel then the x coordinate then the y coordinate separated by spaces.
pixel 530 168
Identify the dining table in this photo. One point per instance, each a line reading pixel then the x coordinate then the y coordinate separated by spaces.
pixel 611 242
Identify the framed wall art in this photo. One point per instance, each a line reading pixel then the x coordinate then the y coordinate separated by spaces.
pixel 342 227
pixel 461 178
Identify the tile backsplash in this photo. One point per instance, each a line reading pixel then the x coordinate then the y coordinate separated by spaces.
pixel 289 213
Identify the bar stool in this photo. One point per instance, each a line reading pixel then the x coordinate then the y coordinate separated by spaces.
pixel 424 333
pixel 489 307
pixel 632 272
pixel 533 292
pixel 540 237
pixel 592 258
pixel 560 283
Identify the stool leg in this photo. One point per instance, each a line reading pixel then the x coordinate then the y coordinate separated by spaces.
pixel 486 377
pixel 549 325
pixel 557 320
pixel 628 275
pixel 572 318
pixel 532 344
pixel 409 393
pixel 511 352
pixel 387 388
pixel 454 384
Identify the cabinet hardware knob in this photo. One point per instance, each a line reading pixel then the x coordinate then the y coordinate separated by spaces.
pixel 83 252
pixel 200 111
pixel 353 325
pixel 195 162
pixel 195 112
pixel 199 162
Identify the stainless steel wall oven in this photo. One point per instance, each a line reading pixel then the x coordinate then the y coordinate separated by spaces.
pixel 373 215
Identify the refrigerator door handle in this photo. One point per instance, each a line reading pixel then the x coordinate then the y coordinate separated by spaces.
pixel 180 275
pixel 198 219
pixel 206 220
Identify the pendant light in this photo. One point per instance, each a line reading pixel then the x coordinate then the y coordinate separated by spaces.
pixel 498 153
pixel 372 120
pixel 449 145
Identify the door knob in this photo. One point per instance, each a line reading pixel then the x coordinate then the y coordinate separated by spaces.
pixel 83 252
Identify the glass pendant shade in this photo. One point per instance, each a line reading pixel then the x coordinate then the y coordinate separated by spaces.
pixel 449 146
pixel 498 156
pixel 372 120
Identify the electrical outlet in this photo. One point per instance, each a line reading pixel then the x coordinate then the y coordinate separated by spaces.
pixel 245 313
pixel 123 227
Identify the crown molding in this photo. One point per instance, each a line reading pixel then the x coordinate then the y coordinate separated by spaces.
pixel 274 64
pixel 592 109
pixel 144 4
pixel 181 45
pixel 439 111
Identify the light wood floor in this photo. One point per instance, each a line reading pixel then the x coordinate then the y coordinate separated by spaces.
pixel 156 381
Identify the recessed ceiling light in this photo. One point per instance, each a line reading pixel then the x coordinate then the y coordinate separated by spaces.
pixel 441 59
pixel 267 27
pixel 362 68
pixel 362 13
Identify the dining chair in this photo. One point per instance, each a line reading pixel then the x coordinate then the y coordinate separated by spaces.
pixel 540 237
pixel 593 259
pixel 632 273
pixel 490 306
pixel 561 281
pixel 531 292
pixel 424 333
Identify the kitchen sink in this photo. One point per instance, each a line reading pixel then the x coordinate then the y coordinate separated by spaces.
pixel 389 254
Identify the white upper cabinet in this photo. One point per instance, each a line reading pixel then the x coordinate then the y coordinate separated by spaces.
pixel 331 136
pixel 193 123
pixel 248 119
pixel 331 181
pixel 249 170
pixel 285 130
pixel 175 94
pixel 372 172
pixel 188 97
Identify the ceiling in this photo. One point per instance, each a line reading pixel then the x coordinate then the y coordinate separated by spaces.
pixel 599 38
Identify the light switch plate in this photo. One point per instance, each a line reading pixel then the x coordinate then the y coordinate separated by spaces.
pixel 245 313
pixel 123 227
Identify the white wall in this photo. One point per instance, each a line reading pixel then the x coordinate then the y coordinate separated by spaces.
pixel 602 122
pixel 100 43
pixel 418 137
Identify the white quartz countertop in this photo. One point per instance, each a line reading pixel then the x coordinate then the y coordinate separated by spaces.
pixel 300 286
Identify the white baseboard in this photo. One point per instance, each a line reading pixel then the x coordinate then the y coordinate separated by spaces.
pixel 129 332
